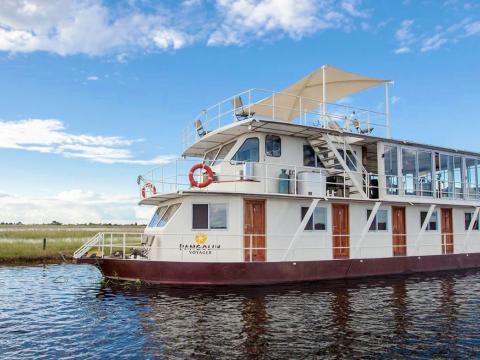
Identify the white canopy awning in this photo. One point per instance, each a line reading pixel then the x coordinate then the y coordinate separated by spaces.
pixel 327 84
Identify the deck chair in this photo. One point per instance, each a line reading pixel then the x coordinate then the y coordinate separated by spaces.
pixel 199 127
pixel 239 110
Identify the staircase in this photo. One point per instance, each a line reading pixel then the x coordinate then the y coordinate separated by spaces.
pixel 347 165
pixel 85 248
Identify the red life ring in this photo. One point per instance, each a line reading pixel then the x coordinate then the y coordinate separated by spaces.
pixel 150 187
pixel 204 183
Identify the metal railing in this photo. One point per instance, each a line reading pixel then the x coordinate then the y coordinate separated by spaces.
pixel 230 176
pixel 234 176
pixel 124 246
pixel 301 110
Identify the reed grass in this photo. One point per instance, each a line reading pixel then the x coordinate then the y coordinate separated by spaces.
pixel 23 244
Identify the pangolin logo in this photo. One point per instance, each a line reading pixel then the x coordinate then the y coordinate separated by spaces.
pixel 200 238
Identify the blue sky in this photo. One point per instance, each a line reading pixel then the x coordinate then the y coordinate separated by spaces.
pixel 95 92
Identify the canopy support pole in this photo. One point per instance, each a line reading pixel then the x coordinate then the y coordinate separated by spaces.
pixel 324 97
pixel 387 111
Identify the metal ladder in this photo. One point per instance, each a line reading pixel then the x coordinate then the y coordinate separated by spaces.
pixel 85 248
pixel 326 147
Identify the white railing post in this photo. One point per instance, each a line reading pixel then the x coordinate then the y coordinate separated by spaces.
pixel 111 244
pixel 251 251
pixel 123 255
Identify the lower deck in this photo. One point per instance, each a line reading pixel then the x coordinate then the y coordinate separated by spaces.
pixel 243 229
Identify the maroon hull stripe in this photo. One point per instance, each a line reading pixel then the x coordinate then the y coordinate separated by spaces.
pixel 258 273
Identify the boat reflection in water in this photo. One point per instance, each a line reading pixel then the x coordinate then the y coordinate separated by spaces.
pixel 399 316
pixel 62 310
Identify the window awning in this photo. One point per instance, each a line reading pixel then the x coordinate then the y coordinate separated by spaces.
pixel 326 84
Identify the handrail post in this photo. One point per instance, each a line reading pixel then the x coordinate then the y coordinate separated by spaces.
pixel 111 244
pixel 251 254
pixel 123 246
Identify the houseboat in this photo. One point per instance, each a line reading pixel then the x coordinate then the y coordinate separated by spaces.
pixel 295 185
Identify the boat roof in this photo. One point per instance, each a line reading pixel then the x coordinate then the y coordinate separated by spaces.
pixel 327 83
pixel 231 132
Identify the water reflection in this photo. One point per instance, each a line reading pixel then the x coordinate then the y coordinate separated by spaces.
pixel 417 316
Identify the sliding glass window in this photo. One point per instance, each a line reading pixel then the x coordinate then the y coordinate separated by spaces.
pixel 471 166
pixel 417 171
pixel 409 169
pixel 425 186
pixel 390 160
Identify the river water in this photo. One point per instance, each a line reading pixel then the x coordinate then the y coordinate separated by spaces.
pixel 67 311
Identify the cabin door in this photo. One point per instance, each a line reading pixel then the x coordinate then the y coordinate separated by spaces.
pixel 447 231
pixel 254 230
pixel 399 231
pixel 340 231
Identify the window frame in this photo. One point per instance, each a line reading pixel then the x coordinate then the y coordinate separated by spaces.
pixel 476 223
pixel 375 221
pixel 160 218
pixel 209 228
pixel 312 218
pixel 318 163
pixel 266 140
pixel 427 228
pixel 243 143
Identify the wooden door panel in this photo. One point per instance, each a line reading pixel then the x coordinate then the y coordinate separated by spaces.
pixel 447 231
pixel 340 231
pixel 399 230
pixel 254 230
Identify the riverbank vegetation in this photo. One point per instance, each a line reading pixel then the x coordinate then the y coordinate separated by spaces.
pixel 24 243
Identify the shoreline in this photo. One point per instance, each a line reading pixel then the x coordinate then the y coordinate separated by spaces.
pixel 36 260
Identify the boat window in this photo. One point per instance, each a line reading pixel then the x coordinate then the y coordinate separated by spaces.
pixel 417 170
pixel 318 220
pixel 390 160
pixel 225 150
pixel 409 169
pixel 468 219
pixel 310 158
pixel 248 152
pixel 273 145
pixel 157 216
pixel 209 216
pixel 210 156
pixel 350 158
pixel 449 175
pixel 172 209
pixel 218 216
pixel 472 181
pixel 380 220
pixel 432 224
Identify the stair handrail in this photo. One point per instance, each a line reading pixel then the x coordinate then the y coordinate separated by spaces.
pixel 87 245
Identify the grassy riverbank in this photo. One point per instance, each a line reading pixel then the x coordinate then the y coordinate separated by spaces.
pixel 24 243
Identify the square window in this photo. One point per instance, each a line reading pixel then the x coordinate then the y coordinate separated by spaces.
pixel 468 219
pixel 209 216
pixel 218 216
pixel 318 220
pixel 273 145
pixel 432 224
pixel 380 220
pixel 200 216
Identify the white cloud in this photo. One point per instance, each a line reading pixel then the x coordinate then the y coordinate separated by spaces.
pixel 50 136
pixel 404 36
pixel 438 38
pixel 394 99
pixel 74 206
pixel 472 28
pixel 92 78
pixel 89 27
pixel 433 43
pixel 241 21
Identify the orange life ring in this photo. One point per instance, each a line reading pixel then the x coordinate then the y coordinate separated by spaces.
pixel 204 183
pixel 148 186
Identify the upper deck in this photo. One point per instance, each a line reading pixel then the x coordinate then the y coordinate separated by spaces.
pixel 299 142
